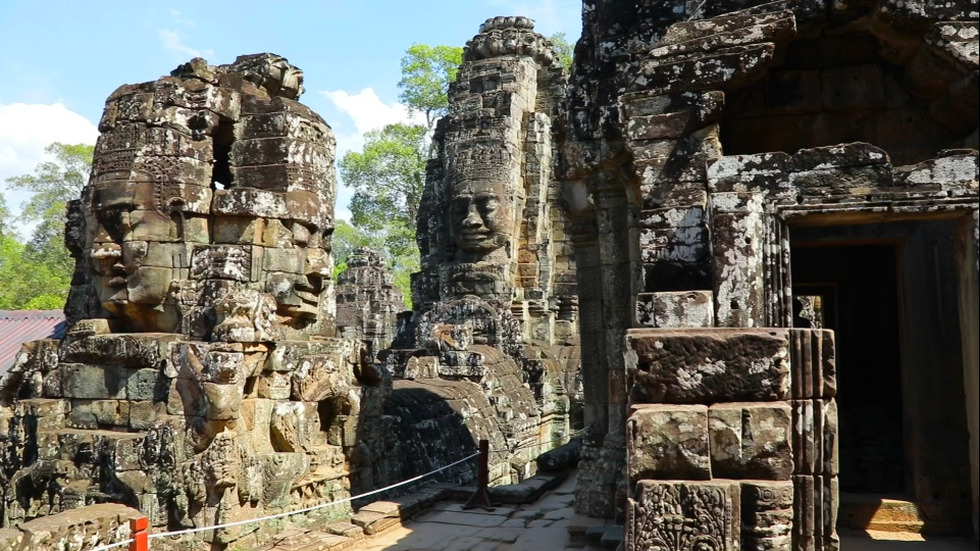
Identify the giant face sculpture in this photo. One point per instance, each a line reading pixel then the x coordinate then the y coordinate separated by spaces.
pixel 481 220
pixel 203 185
pixel 134 248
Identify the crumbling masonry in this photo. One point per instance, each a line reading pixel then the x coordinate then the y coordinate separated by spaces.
pixel 752 224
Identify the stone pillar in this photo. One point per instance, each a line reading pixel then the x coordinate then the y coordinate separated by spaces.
pixel 733 431
pixel 738 239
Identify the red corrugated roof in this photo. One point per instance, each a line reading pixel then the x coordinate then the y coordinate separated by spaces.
pixel 20 326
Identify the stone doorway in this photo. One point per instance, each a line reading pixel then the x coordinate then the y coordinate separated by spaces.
pixel 885 290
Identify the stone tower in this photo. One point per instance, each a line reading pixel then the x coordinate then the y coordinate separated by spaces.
pixel 200 380
pixel 494 307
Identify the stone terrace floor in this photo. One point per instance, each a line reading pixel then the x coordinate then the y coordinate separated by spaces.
pixel 539 526
pixel 551 524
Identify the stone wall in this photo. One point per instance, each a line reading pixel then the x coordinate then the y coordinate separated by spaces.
pixel 674 232
pixel 76 530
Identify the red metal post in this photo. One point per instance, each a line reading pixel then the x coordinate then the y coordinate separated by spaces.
pixel 139 530
pixel 481 497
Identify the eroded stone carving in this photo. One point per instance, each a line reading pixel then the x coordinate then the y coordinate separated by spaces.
pixel 209 180
pixel 493 307
pixel 368 303
pixel 201 379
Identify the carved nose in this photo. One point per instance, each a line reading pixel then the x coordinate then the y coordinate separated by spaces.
pixel 473 219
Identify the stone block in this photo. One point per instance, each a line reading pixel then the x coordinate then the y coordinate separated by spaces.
pixel 696 366
pixel 838 156
pixel 130 349
pixel 676 309
pixel 767 515
pixel 94 382
pixel 742 173
pixel 147 384
pixel 238 230
pixel 751 440
pixel 815 503
pixel 681 515
pixel 145 415
pixel 668 442
pixel 273 385
pixel 95 413
pixel 728 66
pixel 248 202
pixel 422 367
pixel 818 185
pixel 813 360
pixel 293 426
pixel 738 240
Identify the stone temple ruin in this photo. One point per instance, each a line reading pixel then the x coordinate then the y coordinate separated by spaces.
pixel 736 249
pixel 723 158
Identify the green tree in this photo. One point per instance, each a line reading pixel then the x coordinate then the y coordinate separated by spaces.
pixel 38 273
pixel 426 74
pixel 4 215
pixel 563 48
pixel 387 176
pixel 346 238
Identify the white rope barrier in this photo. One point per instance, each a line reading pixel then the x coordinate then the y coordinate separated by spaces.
pixel 308 509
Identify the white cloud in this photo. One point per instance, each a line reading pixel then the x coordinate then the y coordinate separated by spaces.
pixel 173 41
pixel 368 112
pixel 25 130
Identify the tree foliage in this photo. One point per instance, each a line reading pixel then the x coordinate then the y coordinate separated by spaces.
pixel 426 74
pixel 387 176
pixel 37 274
pixel 563 49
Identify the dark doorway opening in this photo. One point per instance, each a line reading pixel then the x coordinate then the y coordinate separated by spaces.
pixel 891 293
pixel 853 290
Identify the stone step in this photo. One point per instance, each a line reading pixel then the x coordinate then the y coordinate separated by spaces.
pixel 310 541
pixel 880 513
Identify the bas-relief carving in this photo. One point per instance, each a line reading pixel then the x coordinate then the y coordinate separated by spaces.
pixel 684 516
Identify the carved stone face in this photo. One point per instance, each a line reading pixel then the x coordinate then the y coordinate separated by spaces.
pixel 131 252
pixel 482 220
pixel 183 209
pixel 298 294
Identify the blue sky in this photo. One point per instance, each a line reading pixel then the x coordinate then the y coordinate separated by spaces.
pixel 59 60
